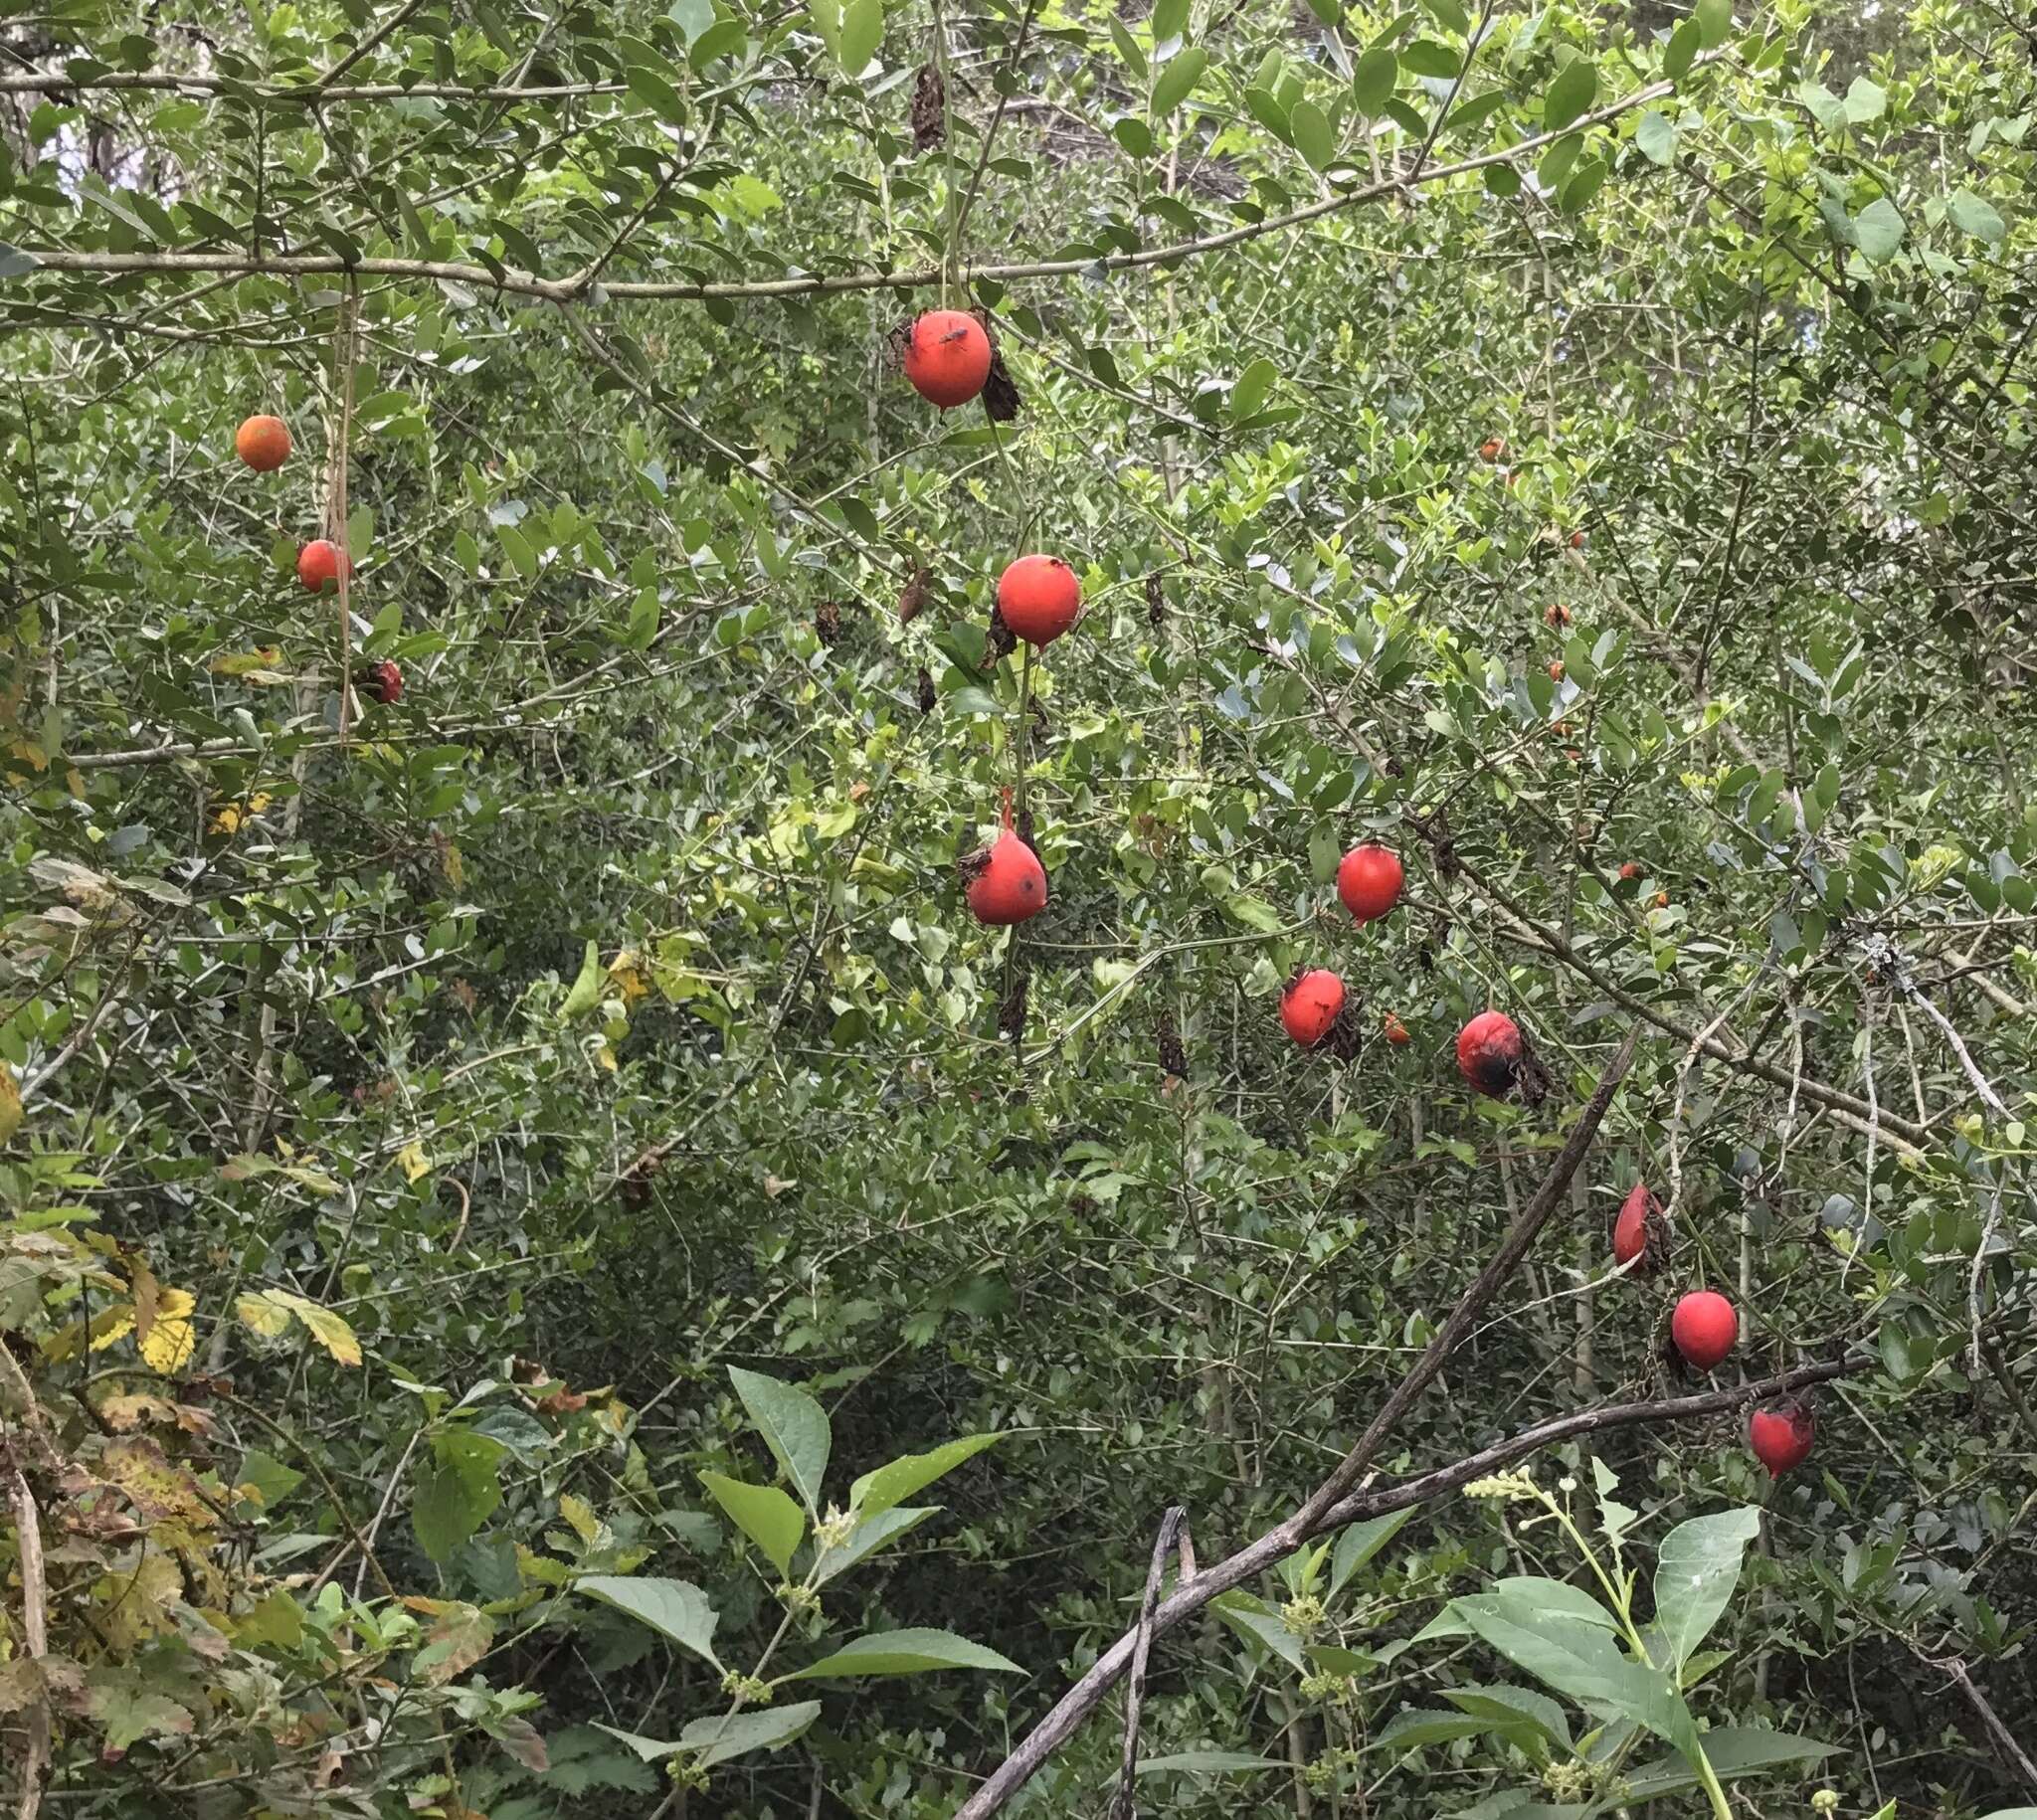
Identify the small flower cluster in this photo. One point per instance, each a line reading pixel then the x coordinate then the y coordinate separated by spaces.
pixel 1513 1487
pixel 1304 1617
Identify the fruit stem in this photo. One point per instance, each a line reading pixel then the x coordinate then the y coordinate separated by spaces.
pixel 948 254
pixel 1025 742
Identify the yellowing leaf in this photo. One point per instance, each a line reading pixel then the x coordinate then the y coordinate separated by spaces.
pixel 331 1332
pixel 10 1103
pixel 411 1159
pixel 116 1323
pixel 239 663
pixel 580 1514
pixel 627 971
pixel 171 1338
pixel 266 1316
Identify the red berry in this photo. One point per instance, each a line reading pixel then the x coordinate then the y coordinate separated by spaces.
pixel 1011 887
pixel 1576 540
pixel 1704 1328
pixel 382 681
pixel 263 443
pixel 1039 598
pixel 1558 615
pixel 318 563
pixel 1780 1434
pixel 1556 671
pixel 1489 1052
pixel 1629 873
pixel 1368 880
pixel 1309 1005
pixel 1662 900
pixel 1397 1031
pixel 1630 1229
pixel 947 357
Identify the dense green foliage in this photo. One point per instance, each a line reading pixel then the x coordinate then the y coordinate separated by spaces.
pixel 1583 448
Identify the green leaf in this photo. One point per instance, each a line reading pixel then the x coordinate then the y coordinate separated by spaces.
pixel 1314 137
pixel 1372 80
pixel 863 31
pixel 1515 1705
pixel 675 1608
pixel 1681 50
pixel 456 1489
pixel 870 1535
pixel 1739 1751
pixel 904 1652
pixel 1655 135
pixel 1170 20
pixel 1865 100
pixel 764 1514
pixel 1250 1617
pixel 1207 1763
pixel 651 1749
pixel 725 1735
pixel 1584 184
pixel 586 990
pixel 1573 92
pixel 1410 1730
pixel 1878 230
pixel 793 1427
pixel 1696 1570
pixel 1714 20
pixel 1254 385
pixel 1270 114
pixel 1177 78
pixel 876 1492
pixel 14 262
pixel 1358 1542
pixel 1976 215
pixel 656 94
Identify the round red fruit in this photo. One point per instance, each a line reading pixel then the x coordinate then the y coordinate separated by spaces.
pixel 1397 1031
pixel 1309 1005
pixel 1558 615
pixel 1576 540
pixel 1630 1229
pixel 947 357
pixel 1489 1052
pixel 1368 880
pixel 1704 1328
pixel 263 443
pixel 1780 1434
pixel 382 681
pixel 1011 887
pixel 1492 449
pixel 1631 871
pixel 1662 900
pixel 1039 598
pixel 318 563
pixel 1556 671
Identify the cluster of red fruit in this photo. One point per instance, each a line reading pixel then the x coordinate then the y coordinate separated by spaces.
pixel 263 444
pixel 1704 1328
pixel 948 360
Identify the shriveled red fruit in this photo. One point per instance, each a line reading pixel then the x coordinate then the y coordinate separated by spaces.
pixel 1630 1229
pixel 1395 1030
pixel 1309 1005
pixel 947 357
pixel 318 563
pixel 1704 1328
pixel 263 443
pixel 1040 597
pixel 1556 671
pixel 1629 873
pixel 381 681
pixel 1368 880
pixel 1557 615
pixel 1780 1434
pixel 1662 900
pixel 1492 449
pixel 1489 1052
pixel 1011 884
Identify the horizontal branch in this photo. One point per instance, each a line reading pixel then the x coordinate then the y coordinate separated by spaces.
pixel 1088 1693
pixel 304 94
pixel 560 290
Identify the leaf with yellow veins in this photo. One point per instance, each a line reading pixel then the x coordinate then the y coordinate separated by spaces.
pixel 171 1338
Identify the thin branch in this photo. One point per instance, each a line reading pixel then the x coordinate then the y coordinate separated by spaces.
pixel 35 1605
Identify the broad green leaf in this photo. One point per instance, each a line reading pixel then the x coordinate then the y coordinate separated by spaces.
pixel 1695 1569
pixel 1170 19
pixel 726 1736
pixel 1250 1617
pixel 1516 1705
pixel 651 1749
pixel 1865 100
pixel 1529 1593
pixel 863 31
pixel 1314 137
pixel 656 94
pixel 1371 82
pixel 675 1608
pixel 585 994
pixel 904 1652
pixel 1714 20
pixel 1655 135
pixel 1681 50
pixel 1878 230
pixel 872 1534
pixel 1410 1729
pixel 793 1427
pixel 764 1514
pixel 1254 385
pixel 1976 215
pixel 876 1492
pixel 1358 1542
pixel 1177 80
pixel 13 263
pixel 456 1489
pixel 1739 1751
pixel 1573 92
